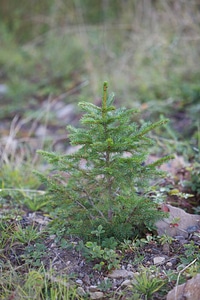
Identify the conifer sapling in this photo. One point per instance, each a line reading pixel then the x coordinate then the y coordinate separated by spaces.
pixel 106 180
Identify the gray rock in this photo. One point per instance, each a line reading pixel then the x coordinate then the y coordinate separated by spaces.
pixel 188 291
pixel 129 267
pixel 79 281
pixel 126 283
pixel 114 283
pixel 80 291
pixel 158 260
pixel 3 89
pixel 93 288
pixel 97 295
pixel 121 274
pixel 166 248
pixel 169 264
pixel 184 222
pixel 192 229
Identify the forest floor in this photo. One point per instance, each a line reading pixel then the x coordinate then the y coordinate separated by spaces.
pixel 28 243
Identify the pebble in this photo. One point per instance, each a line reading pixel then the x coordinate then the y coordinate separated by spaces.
pixel 52 237
pixel 3 89
pixel 126 283
pixel 166 248
pixel 188 290
pixel 86 279
pixel 192 229
pixel 129 267
pixel 121 274
pixel 96 295
pixel 93 288
pixel 79 281
pixel 114 284
pixel 169 264
pixel 179 237
pixel 80 291
pixel 174 260
pixel 158 260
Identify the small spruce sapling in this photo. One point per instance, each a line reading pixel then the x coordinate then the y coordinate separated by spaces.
pixel 107 177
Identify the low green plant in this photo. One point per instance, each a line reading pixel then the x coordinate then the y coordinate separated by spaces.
pixel 105 181
pixel 149 239
pixel 165 239
pixel 191 252
pixel 33 254
pixel 16 176
pixel 98 232
pixel 57 228
pixel 36 285
pixel 110 243
pixel 26 235
pixel 129 246
pixel 105 258
pixel 6 234
pixel 194 182
pixel 158 194
pixel 35 203
pixel 176 192
pixel 192 270
pixel 105 285
pixel 18 186
pixel 146 284
pixel 197 210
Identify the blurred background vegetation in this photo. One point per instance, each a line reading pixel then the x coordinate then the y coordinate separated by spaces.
pixel 148 50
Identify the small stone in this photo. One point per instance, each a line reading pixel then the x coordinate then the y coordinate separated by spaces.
pixel 121 274
pixel 86 279
pixel 129 267
pixel 188 223
pixel 114 284
pixel 79 281
pixel 189 290
pixel 174 260
pixel 169 264
pixel 52 236
pixel 3 89
pixel 192 229
pixel 126 283
pixel 98 282
pixel 96 295
pixel 196 237
pixel 179 237
pixel 166 248
pixel 182 242
pixel 93 288
pixel 158 260
pixel 80 291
